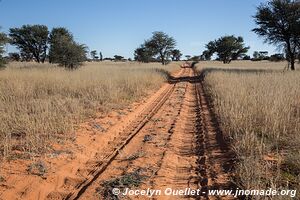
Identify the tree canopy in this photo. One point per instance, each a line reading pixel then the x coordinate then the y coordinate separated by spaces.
pixel 278 21
pixel 31 39
pixel 227 48
pixel 176 54
pixel 143 54
pixel 118 57
pixel 64 50
pixel 260 55
pixel 160 45
pixel 94 55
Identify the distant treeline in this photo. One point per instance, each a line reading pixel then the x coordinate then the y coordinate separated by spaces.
pixel 36 42
pixel 277 21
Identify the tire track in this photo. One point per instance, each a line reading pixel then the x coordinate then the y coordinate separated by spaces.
pixel 174 143
pixel 179 166
pixel 217 155
pixel 197 157
pixel 74 187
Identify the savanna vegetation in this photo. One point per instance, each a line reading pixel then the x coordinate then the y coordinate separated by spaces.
pixel 256 103
pixel 227 48
pixel 41 103
pixel 159 47
pixel 260 112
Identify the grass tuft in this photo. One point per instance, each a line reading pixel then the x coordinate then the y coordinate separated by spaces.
pixel 129 180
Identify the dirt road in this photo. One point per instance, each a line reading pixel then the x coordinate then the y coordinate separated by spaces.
pixel 172 144
pixel 170 141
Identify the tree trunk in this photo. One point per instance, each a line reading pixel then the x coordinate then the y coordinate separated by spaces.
pixel 36 56
pixel 291 55
pixel 37 59
pixel 292 64
pixel 44 55
pixel 162 57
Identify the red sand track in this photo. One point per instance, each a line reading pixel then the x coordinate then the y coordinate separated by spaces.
pixel 184 149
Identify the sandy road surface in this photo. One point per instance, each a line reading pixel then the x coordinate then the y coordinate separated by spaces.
pixel 170 141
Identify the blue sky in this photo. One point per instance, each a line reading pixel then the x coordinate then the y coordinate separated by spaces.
pixel 119 26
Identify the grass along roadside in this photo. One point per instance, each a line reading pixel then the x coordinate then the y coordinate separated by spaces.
pixel 260 112
pixel 40 103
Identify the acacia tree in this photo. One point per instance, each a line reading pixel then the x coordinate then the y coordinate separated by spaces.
pixel 176 54
pixel 94 54
pixel 211 49
pixel 143 54
pixel 227 48
pixel 31 39
pixel 278 21
pixel 206 55
pixel 118 58
pixel 160 45
pixel 26 55
pixel 64 50
pixel 57 38
pixel 260 55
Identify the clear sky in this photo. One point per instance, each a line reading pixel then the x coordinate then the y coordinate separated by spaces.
pixel 119 26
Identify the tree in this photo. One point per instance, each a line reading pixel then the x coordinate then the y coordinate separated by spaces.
pixel 211 49
pixel 227 48
pixel 206 55
pixel 64 50
pixel 195 58
pixel 255 55
pixel 276 57
pixel 3 41
pixel 94 54
pixel 176 54
pixel 57 38
pixel 188 57
pixel 143 54
pixel 31 39
pixel 26 55
pixel 261 55
pixel 118 58
pixel 160 45
pixel 278 22
pixel 100 56
pixel 246 57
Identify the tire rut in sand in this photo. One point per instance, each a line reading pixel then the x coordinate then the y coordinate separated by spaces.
pixel 145 152
pixel 174 144
pixel 179 169
pixel 95 167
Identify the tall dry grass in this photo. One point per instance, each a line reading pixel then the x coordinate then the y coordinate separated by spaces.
pixel 247 64
pixel 40 103
pixel 260 111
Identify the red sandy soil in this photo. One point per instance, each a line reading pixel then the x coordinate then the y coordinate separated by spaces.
pixel 170 138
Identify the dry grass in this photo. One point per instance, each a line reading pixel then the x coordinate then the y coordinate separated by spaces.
pixel 241 64
pixel 260 111
pixel 40 103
